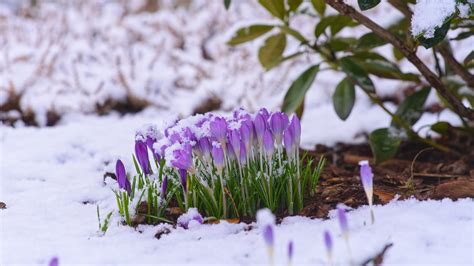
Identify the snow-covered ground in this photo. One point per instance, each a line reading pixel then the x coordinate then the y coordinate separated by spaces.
pixel 51 182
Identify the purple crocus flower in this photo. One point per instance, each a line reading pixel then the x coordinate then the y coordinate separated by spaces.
pixel 367 178
pixel 264 112
pixel 295 126
pixel 328 241
pixel 231 154
pixel 183 158
pixel 288 140
pixel 205 147
pixel 191 216
pixel 268 143
pixel 234 140
pixel 260 124
pixel 141 152
pixel 122 177
pixel 218 156
pixel 183 175
pixel 290 251
pixel 164 187
pixel 54 261
pixel 243 153
pixel 218 128
pixel 150 141
pixel 246 132
pixel 342 217
pixel 278 123
pixel 268 237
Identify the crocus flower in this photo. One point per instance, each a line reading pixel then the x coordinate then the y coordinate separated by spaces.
pixel 218 156
pixel 205 147
pixel 54 261
pixel 122 177
pixel 268 237
pixel 268 143
pixel 164 187
pixel 231 154
pixel 218 128
pixel 264 112
pixel 295 126
pixel 141 152
pixel 266 222
pixel 260 124
pixel 290 252
pixel 278 123
pixel 234 140
pixel 192 216
pixel 367 178
pixel 246 132
pixel 243 153
pixel 150 141
pixel 341 215
pixel 289 144
pixel 183 174
pixel 183 158
pixel 328 245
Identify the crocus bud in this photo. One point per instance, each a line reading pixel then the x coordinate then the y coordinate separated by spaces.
pixel 183 179
pixel 234 140
pixel 266 222
pixel 164 187
pixel 218 128
pixel 122 177
pixel 268 143
pixel 192 216
pixel 264 112
pixel 290 251
pixel 328 245
pixel 295 126
pixel 268 237
pixel 231 154
pixel 218 156
pixel 54 261
pixel 289 144
pixel 243 153
pixel 141 152
pixel 278 123
pixel 341 215
pixel 205 147
pixel 149 143
pixel 182 158
pixel 366 177
pixel 246 132
pixel 260 124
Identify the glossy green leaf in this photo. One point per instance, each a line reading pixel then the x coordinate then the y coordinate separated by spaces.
pixel 249 33
pixel 322 25
pixel 319 6
pixel 439 35
pixel 294 97
pixel 343 98
pixel 294 4
pixel 340 44
pixel 272 50
pixel 384 143
pixel 339 23
pixel 411 108
pixel 386 69
pixel 367 4
pixel 275 7
pixel 440 127
pixel 369 41
pixel 355 71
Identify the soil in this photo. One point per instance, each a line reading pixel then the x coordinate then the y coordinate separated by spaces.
pixel 417 171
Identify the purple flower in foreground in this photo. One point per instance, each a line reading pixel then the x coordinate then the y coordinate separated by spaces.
pixel 246 132
pixel 54 261
pixel 367 178
pixel 205 147
pixel 260 124
pixel 341 215
pixel 264 112
pixel 141 152
pixel 328 242
pixel 289 143
pixel 149 143
pixel 164 187
pixel 278 123
pixel 231 154
pixel 183 175
pixel 295 126
pixel 218 156
pixel 267 234
pixel 218 128
pixel 183 158
pixel 268 143
pixel 234 140
pixel 190 217
pixel 243 153
pixel 290 250
pixel 122 177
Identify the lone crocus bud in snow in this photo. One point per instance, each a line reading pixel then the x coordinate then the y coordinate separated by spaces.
pixel 268 144
pixel 122 177
pixel 190 219
pixel 367 178
pixel 328 245
pixel 141 152
pixel 54 261
pixel 266 222
pixel 290 252
pixel 341 214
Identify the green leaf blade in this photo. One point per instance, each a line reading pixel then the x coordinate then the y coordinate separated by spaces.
pixel 249 33
pixel 384 143
pixel 294 97
pixel 367 4
pixel 344 98
pixel 271 53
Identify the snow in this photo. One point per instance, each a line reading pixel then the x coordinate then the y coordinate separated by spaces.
pixel 51 181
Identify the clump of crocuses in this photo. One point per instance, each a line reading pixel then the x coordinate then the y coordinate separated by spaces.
pixel 225 166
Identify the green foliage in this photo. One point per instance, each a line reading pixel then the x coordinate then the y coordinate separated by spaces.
pixel 294 97
pixel 343 98
pixel 249 33
pixel 360 61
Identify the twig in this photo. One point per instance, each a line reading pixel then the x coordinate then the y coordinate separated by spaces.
pixel 431 77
